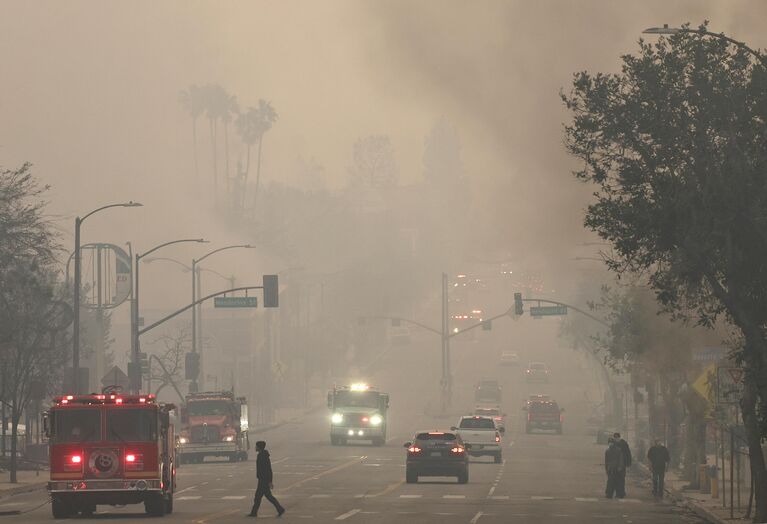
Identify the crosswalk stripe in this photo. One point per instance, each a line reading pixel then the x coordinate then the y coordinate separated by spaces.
pixel 233 497
pixel 348 514
pixel 190 497
pixel 629 500
pixel 453 496
pixel 541 498
pixel 499 497
pixel 410 496
pixel 319 496
pixel 586 499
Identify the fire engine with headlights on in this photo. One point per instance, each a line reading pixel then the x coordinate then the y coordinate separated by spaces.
pixel 358 413
pixel 110 449
pixel 214 424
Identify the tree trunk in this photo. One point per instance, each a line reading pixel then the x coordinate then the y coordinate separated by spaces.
pixel 756 457
pixel 15 417
pixel 258 172
pixel 194 151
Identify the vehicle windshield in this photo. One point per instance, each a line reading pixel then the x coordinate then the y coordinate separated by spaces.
pixel 436 436
pixel 199 408
pixel 477 423
pixel 487 412
pixel 544 407
pixel 131 425
pixel 357 399
pixel 76 425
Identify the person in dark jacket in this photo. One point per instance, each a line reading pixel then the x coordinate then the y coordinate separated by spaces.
pixel 614 467
pixel 265 478
pixel 624 447
pixel 659 460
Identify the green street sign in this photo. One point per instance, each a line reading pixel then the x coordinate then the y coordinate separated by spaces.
pixel 235 302
pixel 548 311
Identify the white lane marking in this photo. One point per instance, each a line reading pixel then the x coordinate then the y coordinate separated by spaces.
pixel 190 497
pixel 500 497
pixel 534 497
pixel 476 517
pixel 453 496
pixel 319 496
pixel 410 496
pixel 368 465
pixel 233 497
pixel 511 443
pixel 6 504
pixel 278 461
pixel 586 499
pixel 348 514
pixel 629 500
pixel 492 490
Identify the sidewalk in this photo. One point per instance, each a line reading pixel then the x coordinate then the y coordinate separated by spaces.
pixel 701 504
pixel 27 481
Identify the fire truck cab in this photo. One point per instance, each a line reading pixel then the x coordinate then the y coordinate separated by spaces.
pixel 214 424
pixel 110 449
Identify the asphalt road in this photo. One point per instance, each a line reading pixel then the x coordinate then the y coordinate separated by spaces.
pixel 544 477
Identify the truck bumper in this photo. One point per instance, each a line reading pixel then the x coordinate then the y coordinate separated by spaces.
pixel 357 433
pixel 478 450
pixel 218 449
pixel 96 485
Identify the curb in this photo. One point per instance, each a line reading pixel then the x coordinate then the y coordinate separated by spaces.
pixel 25 488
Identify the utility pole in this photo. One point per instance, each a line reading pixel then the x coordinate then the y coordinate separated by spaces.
pixel 447 386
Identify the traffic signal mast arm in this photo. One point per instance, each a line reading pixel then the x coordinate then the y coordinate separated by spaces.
pixel 508 313
pixel 424 326
pixel 196 302
pixel 582 312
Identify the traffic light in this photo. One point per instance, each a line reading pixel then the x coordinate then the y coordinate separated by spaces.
pixel 271 291
pixel 192 366
pixel 487 325
pixel 143 360
pixel 518 309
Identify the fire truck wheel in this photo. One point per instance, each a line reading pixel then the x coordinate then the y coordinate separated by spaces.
pixel 169 503
pixel 88 511
pixel 244 456
pixel 61 509
pixel 154 504
pixel 233 457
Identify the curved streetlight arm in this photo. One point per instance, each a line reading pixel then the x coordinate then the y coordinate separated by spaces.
pixel 179 241
pixel 198 260
pixel 124 204
pixel 666 30
pixel 166 259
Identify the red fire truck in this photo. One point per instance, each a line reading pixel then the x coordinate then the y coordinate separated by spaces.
pixel 214 424
pixel 110 449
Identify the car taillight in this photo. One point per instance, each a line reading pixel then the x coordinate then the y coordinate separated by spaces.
pixel 134 461
pixel 414 450
pixel 528 371
pixel 457 450
pixel 497 437
pixel 73 462
pixel 529 417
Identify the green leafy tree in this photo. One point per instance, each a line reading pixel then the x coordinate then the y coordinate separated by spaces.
pixel 676 146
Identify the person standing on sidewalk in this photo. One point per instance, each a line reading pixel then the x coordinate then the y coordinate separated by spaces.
pixel 626 451
pixel 659 460
pixel 265 478
pixel 614 468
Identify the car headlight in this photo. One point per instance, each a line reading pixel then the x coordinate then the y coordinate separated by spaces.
pixel 337 418
pixel 229 438
pixel 183 440
pixel 376 420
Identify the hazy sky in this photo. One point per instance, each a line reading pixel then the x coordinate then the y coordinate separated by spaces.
pixel 89 94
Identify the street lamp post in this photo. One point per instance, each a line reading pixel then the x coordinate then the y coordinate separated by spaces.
pixel 135 345
pixel 666 30
pixel 76 294
pixel 197 311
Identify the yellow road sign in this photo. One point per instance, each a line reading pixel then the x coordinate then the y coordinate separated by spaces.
pixel 705 383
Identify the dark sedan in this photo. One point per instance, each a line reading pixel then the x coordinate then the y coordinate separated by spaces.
pixel 436 454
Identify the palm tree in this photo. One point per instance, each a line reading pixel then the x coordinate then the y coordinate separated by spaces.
pixel 218 104
pixel 251 126
pixel 193 100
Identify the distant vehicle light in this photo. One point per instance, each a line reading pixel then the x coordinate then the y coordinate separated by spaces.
pixel 351 432
pixel 497 437
pixel 229 438
pixel 414 449
pixel 337 418
pixel 365 419
pixel 455 330
pixel 183 440
pixel 359 387
pixel 376 420
pixel 457 449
